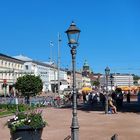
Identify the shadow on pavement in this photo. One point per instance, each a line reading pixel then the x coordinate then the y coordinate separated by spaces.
pixel 133 107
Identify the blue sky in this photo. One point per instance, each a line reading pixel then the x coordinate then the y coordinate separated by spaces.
pixel 110 31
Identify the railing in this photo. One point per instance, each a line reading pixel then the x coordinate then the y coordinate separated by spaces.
pixel 46 101
pixel 11 100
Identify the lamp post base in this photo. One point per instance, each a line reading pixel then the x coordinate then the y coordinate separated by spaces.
pixel 75 129
pixel 74 133
pixel 106 104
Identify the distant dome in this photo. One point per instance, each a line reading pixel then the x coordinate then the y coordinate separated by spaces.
pixel 86 63
pixel 86 66
pixel 23 58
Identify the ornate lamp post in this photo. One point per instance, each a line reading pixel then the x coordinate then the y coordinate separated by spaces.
pixel 107 73
pixel 111 81
pixel 73 35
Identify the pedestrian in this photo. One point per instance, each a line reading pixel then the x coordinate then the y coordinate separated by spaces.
pixel 90 98
pixel 120 99
pixel 84 97
pixel 128 97
pixel 138 96
pixel 102 99
pixel 114 95
pixel 95 100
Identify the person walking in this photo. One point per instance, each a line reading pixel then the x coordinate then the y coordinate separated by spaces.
pixel 128 97
pixel 138 96
pixel 84 97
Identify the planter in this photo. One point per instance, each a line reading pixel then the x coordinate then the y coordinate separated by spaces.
pixel 26 133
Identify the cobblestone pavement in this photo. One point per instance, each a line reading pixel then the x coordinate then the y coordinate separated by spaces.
pixel 94 125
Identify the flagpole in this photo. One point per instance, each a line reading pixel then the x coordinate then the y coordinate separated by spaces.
pixel 58 63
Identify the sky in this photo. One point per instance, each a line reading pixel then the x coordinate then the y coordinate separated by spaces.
pixel 110 32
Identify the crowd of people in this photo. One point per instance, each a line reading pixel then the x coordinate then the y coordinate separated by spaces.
pixel 115 98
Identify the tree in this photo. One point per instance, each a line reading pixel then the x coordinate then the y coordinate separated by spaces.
pixel 118 90
pixel 29 85
pixel 96 83
pixel 136 78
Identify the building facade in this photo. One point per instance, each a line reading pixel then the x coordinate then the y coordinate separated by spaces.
pixel 13 67
pixel 123 80
pixel 48 73
pixel 38 69
pixel 78 76
pixel 87 75
pixel 10 70
pixel 117 80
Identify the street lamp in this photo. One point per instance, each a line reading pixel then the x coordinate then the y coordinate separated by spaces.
pixel 111 81
pixel 73 35
pixel 107 73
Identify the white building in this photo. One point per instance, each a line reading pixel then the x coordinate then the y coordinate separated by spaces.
pixel 38 69
pixel 53 78
pixel 47 71
pixel 123 80
pixel 117 80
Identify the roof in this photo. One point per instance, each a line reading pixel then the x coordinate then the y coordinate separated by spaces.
pixel 9 58
pixel 23 58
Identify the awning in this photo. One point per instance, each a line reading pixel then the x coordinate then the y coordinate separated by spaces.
pixel 86 89
pixel 127 88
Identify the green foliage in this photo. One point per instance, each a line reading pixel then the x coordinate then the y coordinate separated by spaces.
pixel 96 83
pixel 32 119
pixel 3 106
pixel 118 90
pixel 36 120
pixel 136 77
pixel 29 85
pixel 5 112
pixel 21 107
pixel 6 109
pixel 135 82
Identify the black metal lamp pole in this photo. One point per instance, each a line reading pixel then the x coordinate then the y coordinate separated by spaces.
pixel 73 36
pixel 111 81
pixel 107 72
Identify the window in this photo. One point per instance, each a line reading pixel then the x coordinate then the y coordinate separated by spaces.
pixel 26 67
